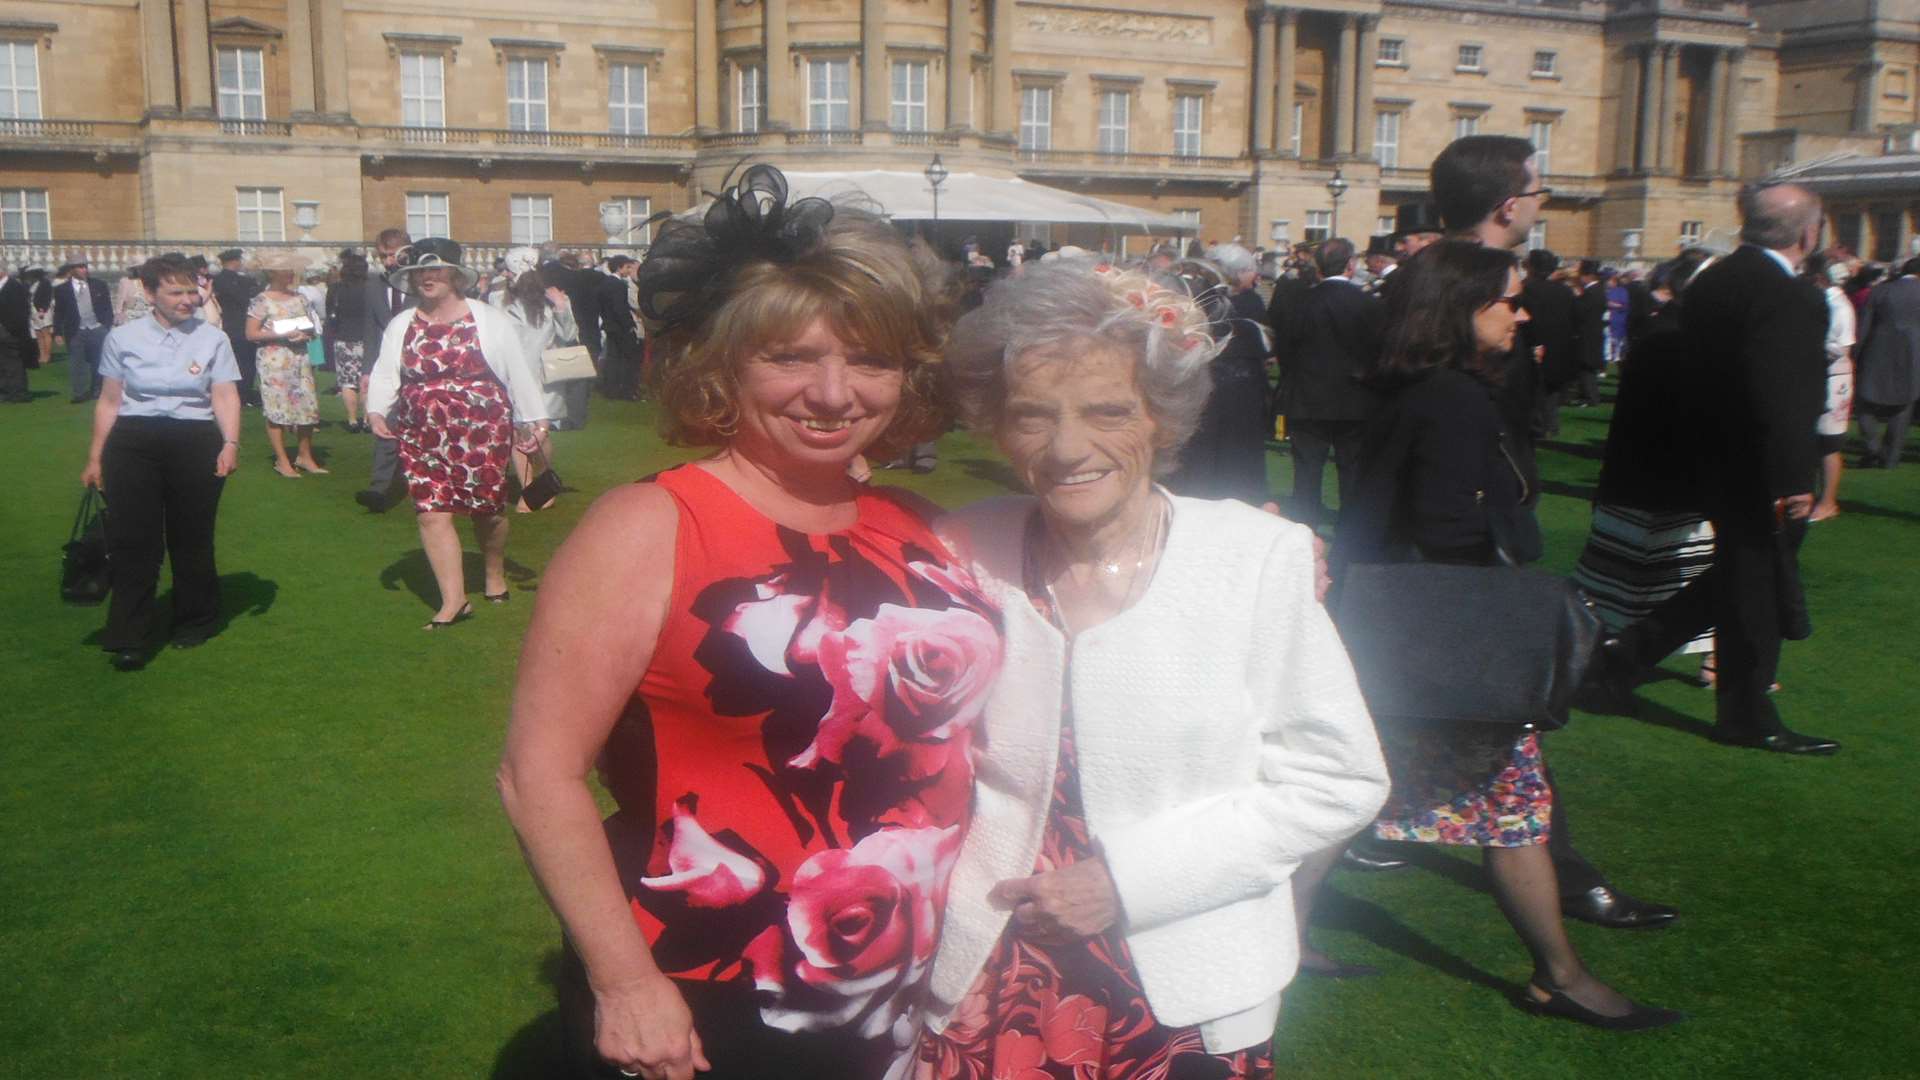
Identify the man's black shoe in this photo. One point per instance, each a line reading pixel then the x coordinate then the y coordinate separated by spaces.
pixel 129 660
pixel 374 501
pixel 1780 742
pixel 1369 861
pixel 1603 906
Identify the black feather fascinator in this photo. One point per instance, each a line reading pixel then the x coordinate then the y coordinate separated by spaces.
pixel 690 267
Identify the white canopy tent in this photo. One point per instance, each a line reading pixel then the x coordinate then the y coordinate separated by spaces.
pixel 906 196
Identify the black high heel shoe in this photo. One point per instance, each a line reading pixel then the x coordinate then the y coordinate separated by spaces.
pixel 1639 1018
pixel 500 597
pixel 465 613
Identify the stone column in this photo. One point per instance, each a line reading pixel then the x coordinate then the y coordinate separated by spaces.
pixel 331 22
pixel 300 58
pixel 1649 135
pixel 156 55
pixel 1866 95
pixel 876 103
pixel 782 104
pixel 706 66
pixel 1363 110
pixel 1342 80
pixel 1730 121
pixel 1715 143
pixel 1262 81
pixel 1625 136
pixel 1284 77
pixel 959 65
pixel 1005 119
pixel 1669 93
pixel 196 59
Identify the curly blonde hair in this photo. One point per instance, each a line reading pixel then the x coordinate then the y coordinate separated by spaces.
pixel 873 288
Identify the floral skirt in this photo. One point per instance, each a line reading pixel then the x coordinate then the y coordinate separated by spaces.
pixel 455 446
pixel 287 397
pixel 1471 785
pixel 349 362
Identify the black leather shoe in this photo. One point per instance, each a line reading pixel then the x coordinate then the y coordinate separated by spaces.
pixel 1639 1018
pixel 374 501
pixel 1370 861
pixel 1605 906
pixel 129 660
pixel 1780 742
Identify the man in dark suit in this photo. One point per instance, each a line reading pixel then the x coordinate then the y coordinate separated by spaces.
pixel 1589 333
pixel 620 347
pixel 17 346
pixel 1333 338
pixel 1889 378
pixel 384 301
pixel 82 315
pixel 1754 333
pixel 235 289
pixel 1548 336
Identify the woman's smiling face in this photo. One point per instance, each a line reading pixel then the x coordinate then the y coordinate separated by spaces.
pixel 1078 432
pixel 814 401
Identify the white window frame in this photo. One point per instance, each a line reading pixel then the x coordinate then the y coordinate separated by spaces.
pixel 260 214
pixel 829 93
pixel 531 100
pixel 530 218
pixel 1470 56
pixel 1383 224
pixel 239 97
pixel 429 213
pixel 423 90
pixel 1392 52
pixel 20 92
pixel 1691 232
pixel 1386 137
pixel 635 210
pixel 627 98
pixel 1189 125
pixel 1319 226
pixel 1111 122
pixel 750 98
pixel 25 214
pixel 1036 118
pixel 1189 215
pixel 1540 134
pixel 1537 235
pixel 908 81
pixel 1466 123
pixel 1551 69
pixel 1298 138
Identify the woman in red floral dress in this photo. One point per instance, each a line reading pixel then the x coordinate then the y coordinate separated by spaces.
pixel 775 670
pixel 451 384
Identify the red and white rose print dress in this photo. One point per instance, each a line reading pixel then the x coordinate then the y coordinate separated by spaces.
pixel 455 424
pixel 794 773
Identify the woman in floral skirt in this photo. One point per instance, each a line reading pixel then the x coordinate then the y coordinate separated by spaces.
pixel 287 397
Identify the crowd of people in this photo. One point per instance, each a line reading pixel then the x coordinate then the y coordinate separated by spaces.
pixel 1014 787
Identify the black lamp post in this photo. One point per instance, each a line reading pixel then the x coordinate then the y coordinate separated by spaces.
pixel 1336 187
pixel 936 175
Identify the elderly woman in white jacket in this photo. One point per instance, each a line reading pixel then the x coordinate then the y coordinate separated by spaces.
pixel 452 383
pixel 1176 726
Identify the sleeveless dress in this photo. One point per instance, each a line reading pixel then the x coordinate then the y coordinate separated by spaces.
pixel 794 776
pixel 456 429
pixel 1075 1011
pixel 287 396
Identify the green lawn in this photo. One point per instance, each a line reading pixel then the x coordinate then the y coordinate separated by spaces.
pixel 281 855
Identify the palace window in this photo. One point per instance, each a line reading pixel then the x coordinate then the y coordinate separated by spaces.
pixel 1111 133
pixel 19 80
pixel 1470 58
pixel 1537 235
pixel 1393 52
pixel 1690 233
pixel 1188 110
pixel 1299 126
pixel 1319 226
pixel 1036 118
pixel 261 215
pixel 428 214
pixel 909 96
pixel 1540 134
pixel 751 95
pixel 633 229
pixel 530 218
pixel 243 87
pixel 23 214
pixel 1386 139
pixel 423 93
pixel 526 94
pixel 627 99
pixel 1465 124
pixel 828 106
pixel 1546 63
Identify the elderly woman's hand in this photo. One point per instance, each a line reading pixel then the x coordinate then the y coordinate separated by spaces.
pixel 1063 905
pixel 1322 580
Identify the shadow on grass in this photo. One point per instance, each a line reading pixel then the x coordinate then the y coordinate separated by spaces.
pixel 240 594
pixel 1339 911
pixel 1592 451
pixel 993 472
pixel 1582 492
pixel 413 573
pixel 1660 716
pixel 538 1051
pixel 1848 506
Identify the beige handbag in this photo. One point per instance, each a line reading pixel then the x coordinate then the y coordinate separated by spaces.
pixel 569 363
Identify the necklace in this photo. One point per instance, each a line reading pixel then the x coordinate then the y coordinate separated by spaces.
pixel 1149 542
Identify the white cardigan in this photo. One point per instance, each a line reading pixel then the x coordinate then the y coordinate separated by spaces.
pixel 1221 738
pixel 500 345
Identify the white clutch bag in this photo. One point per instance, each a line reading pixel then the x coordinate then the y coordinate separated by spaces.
pixel 569 363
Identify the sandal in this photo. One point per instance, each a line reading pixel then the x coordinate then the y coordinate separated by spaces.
pixel 465 613
pixel 500 597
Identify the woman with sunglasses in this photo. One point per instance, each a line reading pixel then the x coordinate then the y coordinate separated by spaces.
pixel 1439 483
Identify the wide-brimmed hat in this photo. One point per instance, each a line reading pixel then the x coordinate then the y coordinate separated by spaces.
pixel 520 260
pixel 290 262
pixel 1418 217
pixel 431 253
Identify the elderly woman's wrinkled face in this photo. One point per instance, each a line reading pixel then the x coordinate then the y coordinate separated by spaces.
pixel 815 401
pixel 1078 431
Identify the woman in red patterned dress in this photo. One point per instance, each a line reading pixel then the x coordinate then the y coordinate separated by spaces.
pixel 775 670
pixel 451 384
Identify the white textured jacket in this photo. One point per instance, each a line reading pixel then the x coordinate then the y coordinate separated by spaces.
pixel 500 345
pixel 1221 738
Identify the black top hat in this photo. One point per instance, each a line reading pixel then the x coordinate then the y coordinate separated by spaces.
pixel 431 253
pixel 1417 217
pixel 231 255
pixel 1381 244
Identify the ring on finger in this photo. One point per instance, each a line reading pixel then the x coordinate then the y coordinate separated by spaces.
pixel 624 1072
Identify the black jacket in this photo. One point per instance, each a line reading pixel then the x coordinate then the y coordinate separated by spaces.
pixel 1889 349
pixel 235 292
pixel 16 310
pixel 1590 328
pixel 1332 341
pixel 1550 325
pixel 1438 481
pixel 1654 453
pixel 1758 336
pixel 66 315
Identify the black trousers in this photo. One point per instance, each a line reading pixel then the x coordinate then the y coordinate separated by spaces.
pixel 161 500
pixel 1310 441
pixel 245 353
pixel 1884 427
pixel 620 369
pixel 16 356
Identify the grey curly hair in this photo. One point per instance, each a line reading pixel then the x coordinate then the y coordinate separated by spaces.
pixel 1053 306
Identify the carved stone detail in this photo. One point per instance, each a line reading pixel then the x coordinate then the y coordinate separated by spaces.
pixel 1109 23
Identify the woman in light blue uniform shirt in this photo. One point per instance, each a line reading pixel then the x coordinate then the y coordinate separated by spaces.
pixel 166 433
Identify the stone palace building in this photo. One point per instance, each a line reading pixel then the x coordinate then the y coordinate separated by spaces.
pixel 501 121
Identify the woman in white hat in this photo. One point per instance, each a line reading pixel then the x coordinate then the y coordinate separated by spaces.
pixel 451 383
pixel 281 321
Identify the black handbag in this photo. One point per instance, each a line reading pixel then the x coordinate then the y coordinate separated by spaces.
pixel 1436 643
pixel 541 489
pixel 83 567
